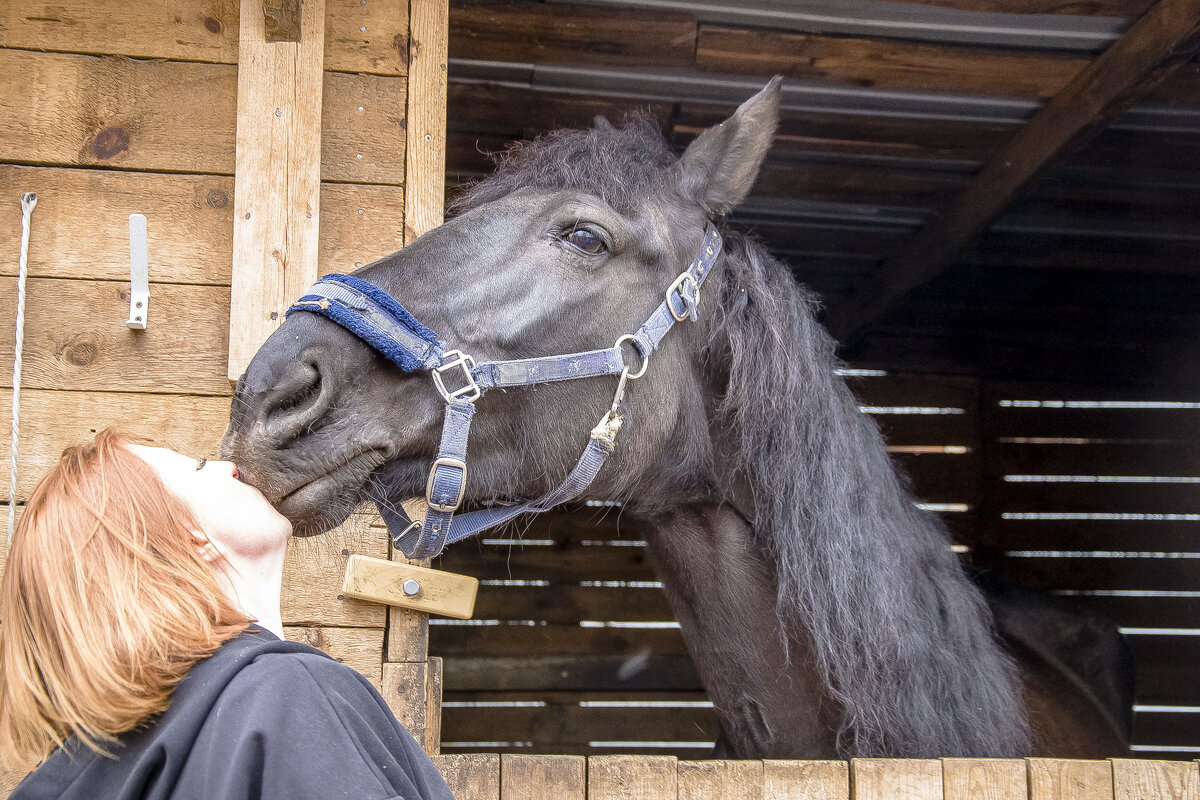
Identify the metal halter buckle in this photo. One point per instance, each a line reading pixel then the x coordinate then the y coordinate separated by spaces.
pixel 677 287
pixel 469 391
pixel 462 486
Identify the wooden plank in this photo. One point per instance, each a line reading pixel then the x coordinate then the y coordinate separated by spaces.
pixel 887 63
pixel 52 421
pixel 405 687
pixel 1070 572
pixel 1179 459
pixel 556 563
pixel 550 719
pixel 896 779
pixel 85 111
pixel 170 116
pixel 419 588
pixel 519 112
pixel 519 638
pixel 718 780
pixel 1166 669
pixel 1165 729
pixel 571 673
pixel 524 32
pixel 361 649
pixel 632 778
pixel 81 229
pixel 1060 418
pixel 984 779
pixel 806 780
pixel 570 603
pixel 1164 38
pixel 1110 498
pixel 1061 779
pixel 1134 779
pixel 76 338
pixel 1134 611
pixel 359 37
pixel 1106 8
pixel 278 177
pixel 434 679
pixel 312 577
pixel 426 146
pixel 543 777
pixel 1091 534
pixel 471 777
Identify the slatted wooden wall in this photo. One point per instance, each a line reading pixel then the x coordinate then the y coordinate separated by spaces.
pixel 1095 494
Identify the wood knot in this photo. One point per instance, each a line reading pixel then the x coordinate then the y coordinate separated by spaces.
pixel 400 42
pixel 216 198
pixel 109 142
pixel 81 354
pixel 213 25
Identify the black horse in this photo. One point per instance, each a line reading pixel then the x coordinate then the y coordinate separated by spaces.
pixel 826 614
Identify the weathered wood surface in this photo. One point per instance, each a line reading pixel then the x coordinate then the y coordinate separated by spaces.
pixel 632 778
pixel 984 779
pixel 426 146
pixel 80 228
pixel 888 779
pixel 474 776
pixel 359 37
pixel 717 780
pixel 313 572
pixel 543 777
pixel 523 32
pixel 171 116
pixel 432 591
pixel 276 208
pixel 1163 780
pixel 1053 779
pixel 810 780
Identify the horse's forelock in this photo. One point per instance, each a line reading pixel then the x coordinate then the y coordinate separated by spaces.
pixel 620 164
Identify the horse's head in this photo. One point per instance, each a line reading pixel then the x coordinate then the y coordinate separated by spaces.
pixel 571 244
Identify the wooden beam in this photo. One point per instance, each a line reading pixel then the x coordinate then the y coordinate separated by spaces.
pixel 277 179
pixel 1167 36
pixel 425 164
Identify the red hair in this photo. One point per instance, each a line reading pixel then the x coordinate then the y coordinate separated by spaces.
pixel 106 603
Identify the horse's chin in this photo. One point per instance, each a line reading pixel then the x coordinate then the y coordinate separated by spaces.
pixel 326 501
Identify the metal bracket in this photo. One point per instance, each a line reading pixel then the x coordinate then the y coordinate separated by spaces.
pixel 139 273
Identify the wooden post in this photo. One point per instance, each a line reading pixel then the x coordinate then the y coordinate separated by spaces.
pixel 425 163
pixel 277 181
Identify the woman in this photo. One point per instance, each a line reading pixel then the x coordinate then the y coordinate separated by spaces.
pixel 142 652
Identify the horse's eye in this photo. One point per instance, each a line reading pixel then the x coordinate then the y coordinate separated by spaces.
pixel 586 241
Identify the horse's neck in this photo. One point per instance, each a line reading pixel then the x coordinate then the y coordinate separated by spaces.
pixel 763 685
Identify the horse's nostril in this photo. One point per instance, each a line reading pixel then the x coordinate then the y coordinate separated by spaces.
pixel 296 402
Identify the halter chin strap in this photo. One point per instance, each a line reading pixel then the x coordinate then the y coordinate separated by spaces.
pixel 379 320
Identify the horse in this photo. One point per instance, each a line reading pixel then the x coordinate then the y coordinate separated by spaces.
pixel 826 613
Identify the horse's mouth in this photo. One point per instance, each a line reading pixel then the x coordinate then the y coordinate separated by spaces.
pixel 324 501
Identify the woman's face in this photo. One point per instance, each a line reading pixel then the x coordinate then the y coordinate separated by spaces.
pixel 233 515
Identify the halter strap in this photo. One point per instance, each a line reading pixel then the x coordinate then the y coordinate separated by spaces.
pixel 379 320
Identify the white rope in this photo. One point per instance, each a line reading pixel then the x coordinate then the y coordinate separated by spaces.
pixel 28 201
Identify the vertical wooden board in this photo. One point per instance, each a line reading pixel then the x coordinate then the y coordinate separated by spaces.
pixel 1063 779
pixel 404 690
pixel 433 706
pixel 806 780
pixel 896 778
pixel 1135 779
pixel 312 577
pixel 277 179
pixel 426 159
pixel 632 778
pixel 543 777
pixel 367 37
pixel 717 780
pixel 408 631
pixel 474 776
pixel 359 224
pixel 985 779
pixel 361 649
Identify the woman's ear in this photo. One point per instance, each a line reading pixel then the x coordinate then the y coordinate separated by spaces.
pixel 206 548
pixel 718 170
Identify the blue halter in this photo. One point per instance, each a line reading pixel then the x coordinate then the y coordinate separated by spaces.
pixel 378 319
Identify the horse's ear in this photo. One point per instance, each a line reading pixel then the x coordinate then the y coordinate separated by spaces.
pixel 719 168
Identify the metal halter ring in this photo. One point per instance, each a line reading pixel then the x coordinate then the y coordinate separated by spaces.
pixel 633 376
pixel 470 390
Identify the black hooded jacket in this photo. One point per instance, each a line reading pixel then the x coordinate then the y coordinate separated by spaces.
pixel 263 719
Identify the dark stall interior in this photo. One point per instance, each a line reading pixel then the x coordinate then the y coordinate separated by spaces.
pixel 996 203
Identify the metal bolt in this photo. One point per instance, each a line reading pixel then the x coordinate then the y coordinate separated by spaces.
pixel 279 112
pixel 359 156
pixel 360 108
pixel 362 29
pixel 411 587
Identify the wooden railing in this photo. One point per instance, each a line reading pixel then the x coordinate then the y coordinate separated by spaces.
pixel 488 776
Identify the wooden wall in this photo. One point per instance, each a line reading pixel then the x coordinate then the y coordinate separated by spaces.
pixel 110 108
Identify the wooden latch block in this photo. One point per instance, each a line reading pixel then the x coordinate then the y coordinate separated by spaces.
pixel 377 580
